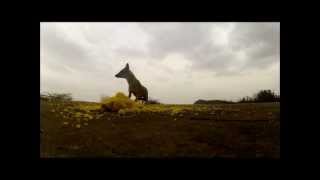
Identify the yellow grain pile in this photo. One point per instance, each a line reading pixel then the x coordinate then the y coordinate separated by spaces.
pixel 117 102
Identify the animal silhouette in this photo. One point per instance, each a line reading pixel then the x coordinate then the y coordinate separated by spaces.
pixel 135 87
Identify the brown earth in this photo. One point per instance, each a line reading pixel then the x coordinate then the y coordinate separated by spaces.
pixel 227 131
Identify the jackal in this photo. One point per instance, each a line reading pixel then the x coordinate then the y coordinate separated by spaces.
pixel 135 87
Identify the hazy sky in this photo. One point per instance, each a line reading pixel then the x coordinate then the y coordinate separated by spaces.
pixel 177 62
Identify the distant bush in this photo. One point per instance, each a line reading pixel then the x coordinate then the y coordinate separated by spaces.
pixel 104 98
pixel 265 96
pixel 201 101
pixel 261 96
pixel 153 101
pixel 246 99
pixel 56 96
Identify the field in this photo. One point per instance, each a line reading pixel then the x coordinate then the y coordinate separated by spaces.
pixel 81 129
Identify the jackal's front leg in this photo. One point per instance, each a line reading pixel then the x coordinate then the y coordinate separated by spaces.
pixel 129 94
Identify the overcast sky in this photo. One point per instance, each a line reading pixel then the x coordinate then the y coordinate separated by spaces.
pixel 177 62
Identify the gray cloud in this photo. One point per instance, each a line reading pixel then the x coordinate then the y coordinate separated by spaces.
pixel 258 41
pixel 177 62
pixel 130 52
pixel 175 37
pixel 64 54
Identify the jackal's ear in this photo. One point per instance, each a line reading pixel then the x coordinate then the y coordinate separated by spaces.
pixel 127 66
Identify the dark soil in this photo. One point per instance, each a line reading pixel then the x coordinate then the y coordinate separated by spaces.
pixel 237 131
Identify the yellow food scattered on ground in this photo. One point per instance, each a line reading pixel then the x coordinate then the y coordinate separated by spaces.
pixel 118 102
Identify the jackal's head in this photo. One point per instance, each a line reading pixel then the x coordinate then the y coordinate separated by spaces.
pixel 124 72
